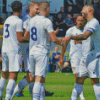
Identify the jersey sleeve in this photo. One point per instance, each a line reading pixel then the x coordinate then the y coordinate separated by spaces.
pixel 68 32
pixel 49 26
pixel 28 27
pixel 19 26
pixel 93 26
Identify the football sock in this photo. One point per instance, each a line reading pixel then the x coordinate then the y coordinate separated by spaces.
pixel 2 86
pixel 36 90
pixel 10 89
pixel 31 85
pixel 42 93
pixel 20 86
pixel 76 91
pixel 97 90
pixel 82 96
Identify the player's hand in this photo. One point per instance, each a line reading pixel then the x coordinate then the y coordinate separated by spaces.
pixel 61 61
pixel 56 31
pixel 66 40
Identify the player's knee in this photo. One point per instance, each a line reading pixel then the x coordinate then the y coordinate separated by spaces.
pixel 5 74
pixel 80 80
pixel 13 75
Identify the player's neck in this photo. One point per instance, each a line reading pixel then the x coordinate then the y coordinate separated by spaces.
pixel 42 13
pixel 81 28
pixel 90 17
pixel 30 14
pixel 16 13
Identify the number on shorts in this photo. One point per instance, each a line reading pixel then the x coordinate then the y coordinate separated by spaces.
pixel 34 33
pixel 7 26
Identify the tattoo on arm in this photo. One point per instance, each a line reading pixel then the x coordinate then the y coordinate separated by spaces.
pixel 82 36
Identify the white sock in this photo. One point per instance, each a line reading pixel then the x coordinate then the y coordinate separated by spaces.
pixel 97 90
pixel 42 93
pixel 10 89
pixel 2 86
pixel 36 90
pixel 20 86
pixel 76 91
pixel 31 85
pixel 82 96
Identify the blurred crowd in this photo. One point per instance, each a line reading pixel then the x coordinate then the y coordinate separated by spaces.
pixel 66 17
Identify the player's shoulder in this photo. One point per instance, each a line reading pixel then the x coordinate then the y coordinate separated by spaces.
pixel 13 18
pixel 71 28
pixel 94 21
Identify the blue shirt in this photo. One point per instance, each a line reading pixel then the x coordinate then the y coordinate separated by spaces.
pixel 53 57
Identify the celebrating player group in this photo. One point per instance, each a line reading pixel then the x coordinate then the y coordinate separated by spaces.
pixel 31 37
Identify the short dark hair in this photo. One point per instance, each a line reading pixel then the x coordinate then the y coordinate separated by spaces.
pixel 16 6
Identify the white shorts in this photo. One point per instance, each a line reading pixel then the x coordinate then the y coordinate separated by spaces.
pixel 89 66
pixel 11 62
pixel 38 64
pixel 75 65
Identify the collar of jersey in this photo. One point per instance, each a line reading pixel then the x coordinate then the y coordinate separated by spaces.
pixel 79 29
pixel 41 15
pixel 90 19
pixel 15 15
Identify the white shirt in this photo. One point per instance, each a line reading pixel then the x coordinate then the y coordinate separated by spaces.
pixel 75 49
pixel 25 46
pixel 26 20
pixel 93 26
pixel 39 27
pixel 12 25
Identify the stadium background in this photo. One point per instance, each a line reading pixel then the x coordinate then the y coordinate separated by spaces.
pixel 59 83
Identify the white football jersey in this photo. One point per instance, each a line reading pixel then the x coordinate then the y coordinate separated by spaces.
pixel 39 27
pixel 25 46
pixel 12 25
pixel 26 20
pixel 75 49
pixel 93 42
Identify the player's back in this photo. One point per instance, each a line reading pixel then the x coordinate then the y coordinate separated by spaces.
pixel 10 41
pixel 39 37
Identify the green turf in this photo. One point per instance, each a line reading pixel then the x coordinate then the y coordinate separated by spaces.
pixel 61 84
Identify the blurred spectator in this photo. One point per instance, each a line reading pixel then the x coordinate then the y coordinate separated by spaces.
pixel 55 59
pixel 62 13
pixel 69 21
pixel 96 4
pixel 1 20
pixel 70 10
pixel 59 22
pixel 88 2
pixel 74 18
pixel 56 55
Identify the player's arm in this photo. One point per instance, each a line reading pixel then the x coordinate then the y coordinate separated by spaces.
pixel 56 31
pixel 27 35
pixel 81 36
pixel 19 32
pixel 54 38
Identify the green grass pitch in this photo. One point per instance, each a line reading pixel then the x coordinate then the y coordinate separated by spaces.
pixel 61 84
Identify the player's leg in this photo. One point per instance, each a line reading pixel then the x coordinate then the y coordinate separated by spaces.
pixel 14 66
pixel 93 69
pixel 5 74
pixel 40 74
pixel 76 62
pixel 82 75
pixel 25 81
